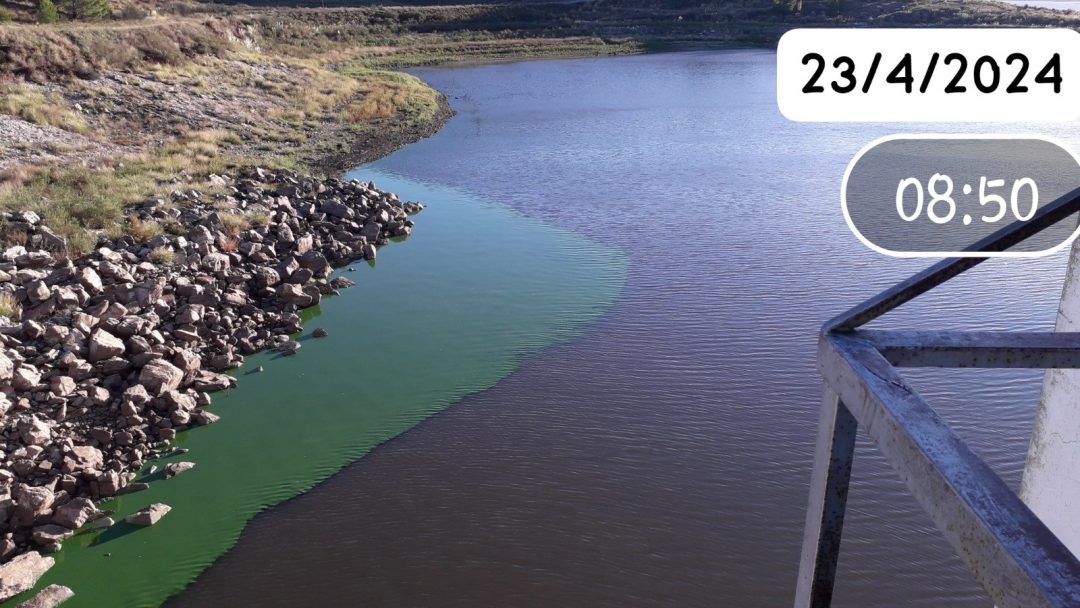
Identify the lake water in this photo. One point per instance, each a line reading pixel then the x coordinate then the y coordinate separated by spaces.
pixel 437 318
pixel 1061 5
pixel 660 458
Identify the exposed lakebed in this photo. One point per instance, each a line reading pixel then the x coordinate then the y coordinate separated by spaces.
pixel 443 315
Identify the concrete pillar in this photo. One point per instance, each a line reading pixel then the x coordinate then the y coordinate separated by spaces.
pixel 1051 485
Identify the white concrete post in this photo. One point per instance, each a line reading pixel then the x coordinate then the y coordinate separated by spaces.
pixel 1051 485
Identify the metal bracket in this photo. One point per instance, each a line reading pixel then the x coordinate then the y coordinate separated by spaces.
pixel 1008 549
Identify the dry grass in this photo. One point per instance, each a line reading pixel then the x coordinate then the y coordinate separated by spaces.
pixel 384 94
pixel 30 104
pixel 9 307
pixel 84 50
pixel 15 237
pixel 258 218
pixel 163 256
pixel 234 223
pixel 79 201
pixel 142 231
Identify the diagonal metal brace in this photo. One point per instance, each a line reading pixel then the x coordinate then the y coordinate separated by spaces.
pixel 1015 557
pixel 986 349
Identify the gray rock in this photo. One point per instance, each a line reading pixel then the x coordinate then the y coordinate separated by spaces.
pixel 159 376
pixel 7 367
pixel 83 458
pixel 49 597
pixel 38 291
pixel 371 232
pixel 62 386
pixel 216 262
pixel 34 501
pixel 50 534
pixel 175 468
pixel 104 522
pixel 104 345
pixel 148 516
pixel 75 513
pixel 293 294
pixel 21 573
pixel 26 377
pixel 203 417
pixel 34 431
pixel 90 280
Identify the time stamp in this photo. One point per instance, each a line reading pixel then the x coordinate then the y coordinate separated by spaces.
pixel 942 207
pixel 1017 75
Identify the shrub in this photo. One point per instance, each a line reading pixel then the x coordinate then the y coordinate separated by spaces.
pixel 163 256
pixel 174 228
pixel 86 9
pixel 5 15
pixel 46 12
pixel 234 224
pixel 33 106
pixel 9 307
pixel 258 218
pixel 131 13
pixel 142 231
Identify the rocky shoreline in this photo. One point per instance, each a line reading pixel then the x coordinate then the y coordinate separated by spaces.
pixel 104 358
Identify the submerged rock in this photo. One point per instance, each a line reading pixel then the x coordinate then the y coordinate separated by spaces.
pixel 49 597
pixel 148 516
pixel 175 468
pixel 104 522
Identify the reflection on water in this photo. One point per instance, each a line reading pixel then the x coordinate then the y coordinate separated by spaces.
pixel 663 458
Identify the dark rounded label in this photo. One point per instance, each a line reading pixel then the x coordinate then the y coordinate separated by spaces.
pixel 934 196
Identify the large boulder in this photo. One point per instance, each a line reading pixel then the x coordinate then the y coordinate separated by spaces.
pixel 33 503
pixel 21 573
pixel 203 417
pixel 49 597
pixel 215 262
pixel 75 513
pixel 175 468
pixel 82 458
pixel 90 280
pixel 38 291
pixel 104 345
pixel 315 262
pixel 159 376
pixel 337 209
pixel 148 516
pixel 25 378
pixel 50 535
pixel 34 431
pixel 293 294
pixel 371 232
pixel 110 483
pixel 7 367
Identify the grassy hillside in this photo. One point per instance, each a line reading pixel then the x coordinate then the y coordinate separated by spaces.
pixel 96 116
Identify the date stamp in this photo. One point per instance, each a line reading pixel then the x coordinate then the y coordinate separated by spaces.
pixel 929 75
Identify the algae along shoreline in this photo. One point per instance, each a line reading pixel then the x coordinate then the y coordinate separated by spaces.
pixel 478 288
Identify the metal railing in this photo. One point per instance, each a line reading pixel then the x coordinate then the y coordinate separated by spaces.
pixel 1008 549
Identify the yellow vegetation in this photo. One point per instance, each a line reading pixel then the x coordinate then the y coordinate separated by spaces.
pixel 30 104
pixel 9 306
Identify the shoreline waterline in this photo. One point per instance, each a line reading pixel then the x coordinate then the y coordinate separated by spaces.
pixel 323 411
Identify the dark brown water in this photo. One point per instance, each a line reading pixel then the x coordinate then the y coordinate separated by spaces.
pixel 663 458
